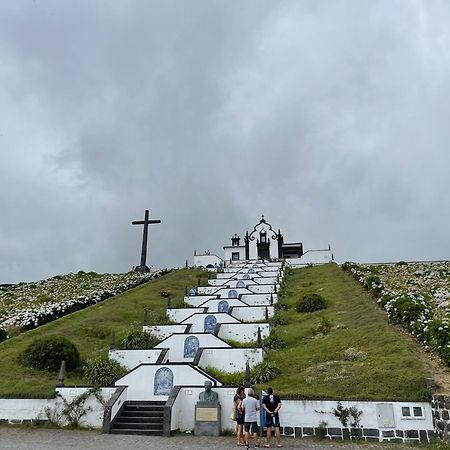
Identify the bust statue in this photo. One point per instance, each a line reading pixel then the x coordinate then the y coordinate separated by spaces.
pixel 208 395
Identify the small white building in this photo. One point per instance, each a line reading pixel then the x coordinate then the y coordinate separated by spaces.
pixel 267 244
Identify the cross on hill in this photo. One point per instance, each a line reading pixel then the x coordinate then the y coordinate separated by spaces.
pixel 142 268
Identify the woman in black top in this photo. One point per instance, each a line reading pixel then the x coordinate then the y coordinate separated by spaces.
pixel 239 414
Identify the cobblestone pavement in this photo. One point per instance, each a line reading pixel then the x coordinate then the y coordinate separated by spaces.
pixel 19 438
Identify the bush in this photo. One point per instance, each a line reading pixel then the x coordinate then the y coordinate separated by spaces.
pixel 3 335
pixel 310 303
pixel 103 371
pixel 323 327
pixel 440 338
pixel 139 340
pixel 48 353
pixel 280 306
pixel 273 343
pixel 264 372
pixel 278 319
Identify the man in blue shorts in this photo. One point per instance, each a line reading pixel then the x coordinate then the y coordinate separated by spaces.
pixel 251 406
pixel 272 405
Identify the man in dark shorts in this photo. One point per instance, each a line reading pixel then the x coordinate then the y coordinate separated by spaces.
pixel 272 405
pixel 251 406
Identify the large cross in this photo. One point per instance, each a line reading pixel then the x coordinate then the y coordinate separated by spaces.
pixel 142 268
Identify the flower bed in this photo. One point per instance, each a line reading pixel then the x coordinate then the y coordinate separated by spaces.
pixel 29 305
pixel 415 296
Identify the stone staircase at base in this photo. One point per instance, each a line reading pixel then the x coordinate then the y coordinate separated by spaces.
pixel 140 418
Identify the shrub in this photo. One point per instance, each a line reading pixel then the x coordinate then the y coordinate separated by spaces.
pixel 310 303
pixel 440 338
pixel 412 311
pixel 323 327
pixel 278 319
pixel 48 353
pixel 103 371
pixel 280 306
pixel 373 284
pixel 3 335
pixel 139 340
pixel 273 343
pixel 264 372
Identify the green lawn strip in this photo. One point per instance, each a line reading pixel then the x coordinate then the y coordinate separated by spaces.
pixel 90 330
pixel 314 365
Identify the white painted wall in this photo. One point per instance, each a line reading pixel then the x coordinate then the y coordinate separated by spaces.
pixel 95 409
pixel 197 300
pixel 297 413
pixel 175 344
pixel 259 299
pixel 205 260
pixel 132 358
pixel 311 257
pixel 262 288
pixel 207 290
pixel 198 321
pixel 252 313
pixel 223 293
pixel 227 251
pixel 309 413
pixel 243 332
pixel 16 410
pixel 231 359
pixel 163 331
pixel 179 314
pixel 213 305
pixel 140 380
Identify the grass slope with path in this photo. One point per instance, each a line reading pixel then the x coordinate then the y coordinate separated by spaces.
pixel 346 351
pixel 317 363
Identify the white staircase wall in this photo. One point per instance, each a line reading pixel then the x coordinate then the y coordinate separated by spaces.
pixel 231 359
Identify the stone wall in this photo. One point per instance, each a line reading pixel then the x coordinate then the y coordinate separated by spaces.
pixel 441 416
pixel 359 434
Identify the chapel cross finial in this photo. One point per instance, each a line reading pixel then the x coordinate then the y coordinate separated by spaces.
pixel 142 268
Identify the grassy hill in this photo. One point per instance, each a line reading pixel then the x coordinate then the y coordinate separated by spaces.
pixel 345 351
pixel 90 330
pixel 348 350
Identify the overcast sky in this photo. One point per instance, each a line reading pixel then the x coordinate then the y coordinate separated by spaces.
pixel 331 118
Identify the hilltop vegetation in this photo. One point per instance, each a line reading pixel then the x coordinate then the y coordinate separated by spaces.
pixel 346 351
pixel 413 295
pixel 25 306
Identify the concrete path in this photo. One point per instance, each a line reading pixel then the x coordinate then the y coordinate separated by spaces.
pixel 21 438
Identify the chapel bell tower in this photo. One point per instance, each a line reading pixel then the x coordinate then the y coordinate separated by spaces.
pixel 263 245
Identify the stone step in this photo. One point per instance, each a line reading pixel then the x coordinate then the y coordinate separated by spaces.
pixel 140 419
pixel 144 403
pixel 138 426
pixel 142 414
pixel 142 408
pixel 137 432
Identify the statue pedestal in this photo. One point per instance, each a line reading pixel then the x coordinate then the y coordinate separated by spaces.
pixel 207 419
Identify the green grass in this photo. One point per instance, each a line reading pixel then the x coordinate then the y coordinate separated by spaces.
pixel 313 364
pixel 90 330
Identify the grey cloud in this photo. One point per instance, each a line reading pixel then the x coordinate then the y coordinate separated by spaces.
pixel 329 118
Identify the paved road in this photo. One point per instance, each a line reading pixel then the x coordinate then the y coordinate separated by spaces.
pixel 19 438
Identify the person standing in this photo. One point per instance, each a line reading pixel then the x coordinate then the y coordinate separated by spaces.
pixel 272 404
pixel 239 414
pixel 251 406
